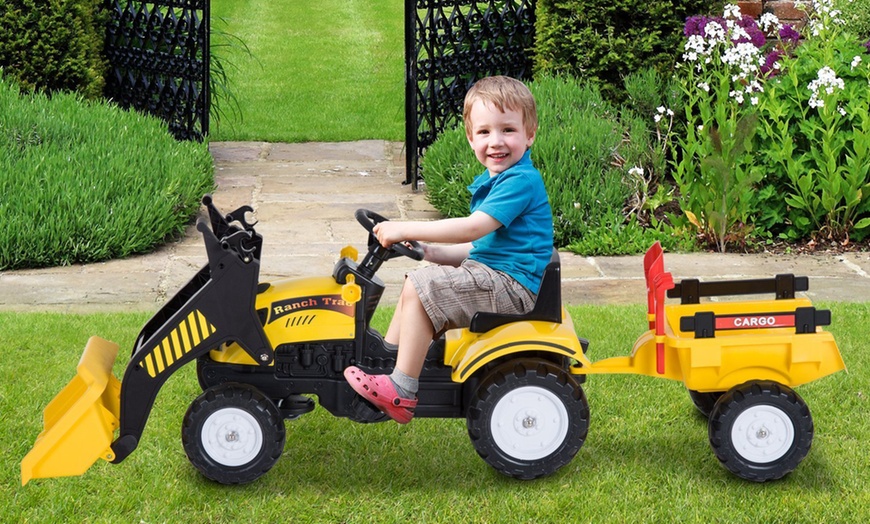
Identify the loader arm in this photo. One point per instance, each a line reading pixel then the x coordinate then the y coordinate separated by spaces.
pixel 215 307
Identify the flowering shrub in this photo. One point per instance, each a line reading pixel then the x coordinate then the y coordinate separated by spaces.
pixel 767 118
pixel 720 77
pixel 815 132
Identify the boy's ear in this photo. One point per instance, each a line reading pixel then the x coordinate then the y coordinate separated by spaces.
pixel 531 138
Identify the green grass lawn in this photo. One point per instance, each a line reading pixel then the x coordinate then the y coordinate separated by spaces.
pixel 646 458
pixel 326 71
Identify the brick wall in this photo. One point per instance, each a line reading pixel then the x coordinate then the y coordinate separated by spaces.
pixel 784 10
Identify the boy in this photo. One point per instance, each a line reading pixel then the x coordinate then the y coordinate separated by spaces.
pixel 498 252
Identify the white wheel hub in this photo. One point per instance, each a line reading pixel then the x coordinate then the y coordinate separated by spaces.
pixel 762 434
pixel 232 437
pixel 529 423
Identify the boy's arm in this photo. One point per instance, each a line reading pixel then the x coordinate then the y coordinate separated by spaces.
pixel 447 231
pixel 451 255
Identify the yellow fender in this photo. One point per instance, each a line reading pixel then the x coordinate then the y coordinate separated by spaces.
pixel 466 352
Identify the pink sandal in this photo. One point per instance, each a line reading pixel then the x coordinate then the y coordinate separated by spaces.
pixel 380 391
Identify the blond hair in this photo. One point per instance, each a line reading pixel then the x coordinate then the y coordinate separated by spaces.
pixel 505 93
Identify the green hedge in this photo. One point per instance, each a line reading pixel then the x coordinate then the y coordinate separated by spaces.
pixel 86 181
pixel 54 45
pixel 602 42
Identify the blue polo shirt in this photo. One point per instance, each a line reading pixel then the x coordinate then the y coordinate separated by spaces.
pixel 523 245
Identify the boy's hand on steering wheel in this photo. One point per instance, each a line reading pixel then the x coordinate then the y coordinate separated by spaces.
pixel 388 233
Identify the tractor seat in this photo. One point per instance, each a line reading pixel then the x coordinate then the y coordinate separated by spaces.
pixel 548 305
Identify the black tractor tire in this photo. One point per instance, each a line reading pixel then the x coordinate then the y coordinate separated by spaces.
pixel 761 430
pixel 528 418
pixel 704 402
pixel 233 434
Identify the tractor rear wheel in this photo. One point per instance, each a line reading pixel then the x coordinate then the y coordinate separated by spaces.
pixel 233 434
pixel 528 418
pixel 761 430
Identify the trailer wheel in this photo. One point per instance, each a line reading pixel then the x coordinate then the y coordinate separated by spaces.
pixel 233 434
pixel 761 430
pixel 528 418
pixel 704 402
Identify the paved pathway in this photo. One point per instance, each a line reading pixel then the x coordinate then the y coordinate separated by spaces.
pixel 305 195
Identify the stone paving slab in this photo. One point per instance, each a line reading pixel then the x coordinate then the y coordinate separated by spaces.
pixel 305 196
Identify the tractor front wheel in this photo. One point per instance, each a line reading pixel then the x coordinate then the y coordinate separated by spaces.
pixel 761 430
pixel 233 434
pixel 528 418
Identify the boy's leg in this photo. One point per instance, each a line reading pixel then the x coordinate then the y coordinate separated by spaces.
pixel 416 332
pixel 394 331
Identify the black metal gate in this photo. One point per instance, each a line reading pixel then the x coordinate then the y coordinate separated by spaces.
pixel 158 53
pixel 449 45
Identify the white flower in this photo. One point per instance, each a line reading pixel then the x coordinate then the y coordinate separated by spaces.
pixel 841 110
pixel 636 171
pixel 856 61
pixel 732 11
pixel 715 32
pixel 754 100
pixel 826 79
pixel 769 23
pixel 816 102
pixel 704 86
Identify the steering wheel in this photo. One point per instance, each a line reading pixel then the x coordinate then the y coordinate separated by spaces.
pixel 369 219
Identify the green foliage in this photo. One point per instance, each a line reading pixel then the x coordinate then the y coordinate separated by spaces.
pixel 601 42
pixel 816 134
pixel 582 149
pixel 774 150
pixel 83 182
pixel 224 103
pixel 54 46
pixel 855 15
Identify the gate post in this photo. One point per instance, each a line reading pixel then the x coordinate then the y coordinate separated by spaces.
pixel 411 160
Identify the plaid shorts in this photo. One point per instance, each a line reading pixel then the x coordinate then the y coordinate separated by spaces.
pixel 452 295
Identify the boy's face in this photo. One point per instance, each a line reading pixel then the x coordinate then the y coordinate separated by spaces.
pixel 499 140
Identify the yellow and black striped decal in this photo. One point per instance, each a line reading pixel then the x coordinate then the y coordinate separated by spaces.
pixel 186 336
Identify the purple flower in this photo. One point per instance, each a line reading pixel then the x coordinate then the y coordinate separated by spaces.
pixel 756 35
pixel 867 45
pixel 789 35
pixel 695 25
pixel 770 60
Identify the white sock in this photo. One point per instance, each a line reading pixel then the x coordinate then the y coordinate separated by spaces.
pixel 406 386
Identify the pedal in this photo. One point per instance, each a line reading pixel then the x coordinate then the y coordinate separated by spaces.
pixel 295 406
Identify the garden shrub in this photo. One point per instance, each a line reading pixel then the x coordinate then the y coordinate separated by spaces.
pixel 777 135
pixel 584 156
pixel 86 181
pixel 601 42
pixel 855 15
pixel 54 46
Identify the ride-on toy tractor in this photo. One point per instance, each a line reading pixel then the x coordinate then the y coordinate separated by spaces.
pixel 263 351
